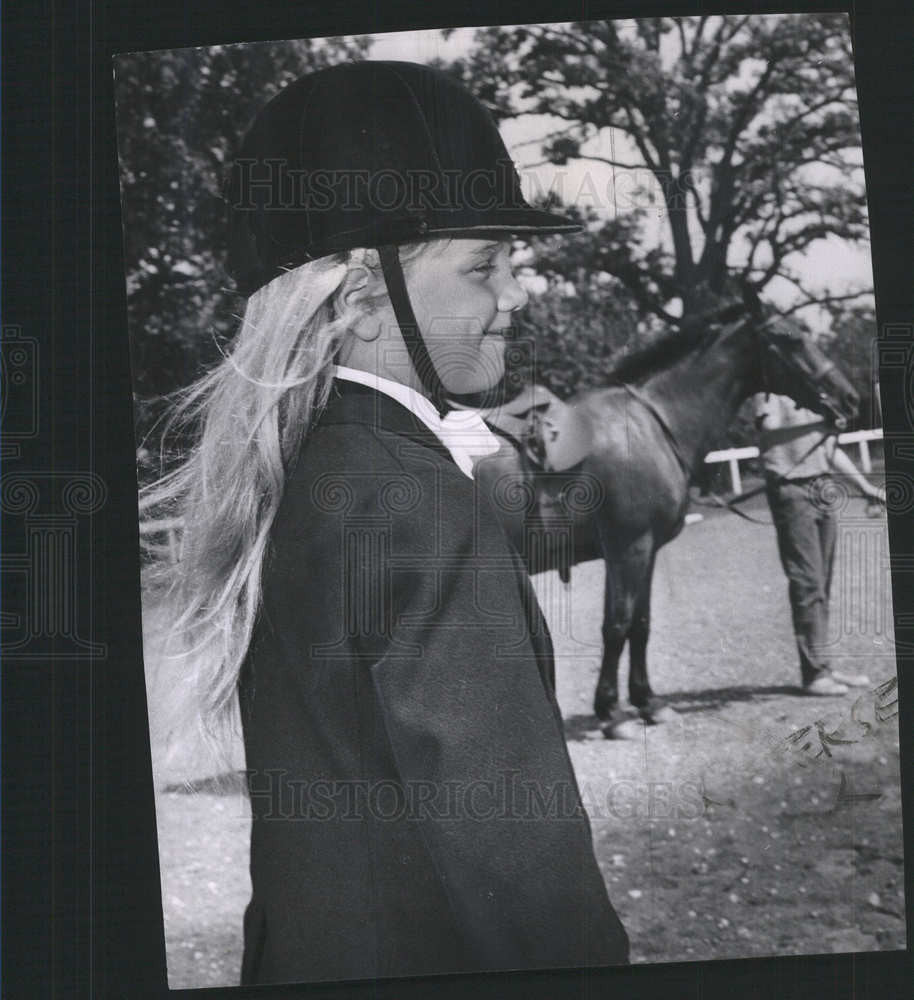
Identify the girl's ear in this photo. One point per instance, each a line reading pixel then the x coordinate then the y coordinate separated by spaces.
pixel 355 290
pixel 358 297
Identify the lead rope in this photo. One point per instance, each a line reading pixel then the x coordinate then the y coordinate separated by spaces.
pixel 730 504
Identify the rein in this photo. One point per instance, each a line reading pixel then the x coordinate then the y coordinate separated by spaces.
pixel 731 504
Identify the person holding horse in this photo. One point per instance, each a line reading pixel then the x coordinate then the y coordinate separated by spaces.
pixel 415 810
pixel 800 454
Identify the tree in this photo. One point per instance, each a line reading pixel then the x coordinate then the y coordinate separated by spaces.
pixel 746 125
pixel 180 115
pixel 578 319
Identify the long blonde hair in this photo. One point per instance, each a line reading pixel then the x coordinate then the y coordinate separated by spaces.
pixel 249 417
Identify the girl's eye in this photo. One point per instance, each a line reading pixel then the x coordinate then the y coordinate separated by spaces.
pixel 486 268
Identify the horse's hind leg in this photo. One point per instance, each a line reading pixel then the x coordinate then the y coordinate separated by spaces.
pixel 640 692
pixel 639 687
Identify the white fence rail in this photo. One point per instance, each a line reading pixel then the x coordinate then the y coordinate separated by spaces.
pixel 733 456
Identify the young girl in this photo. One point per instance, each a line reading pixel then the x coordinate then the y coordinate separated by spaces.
pixel 414 807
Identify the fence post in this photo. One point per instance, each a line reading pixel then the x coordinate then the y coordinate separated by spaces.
pixel 735 481
pixel 865 462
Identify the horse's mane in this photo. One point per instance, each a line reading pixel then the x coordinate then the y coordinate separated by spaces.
pixel 662 352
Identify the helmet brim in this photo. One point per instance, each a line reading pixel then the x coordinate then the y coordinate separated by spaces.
pixel 517 222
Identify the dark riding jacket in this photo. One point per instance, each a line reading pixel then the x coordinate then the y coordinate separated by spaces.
pixel 414 807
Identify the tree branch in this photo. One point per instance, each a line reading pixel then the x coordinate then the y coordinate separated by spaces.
pixel 751 108
pixel 607 160
pixel 682 38
pixel 566 38
pixel 738 27
pixel 640 142
pixel 549 136
pixel 688 184
pixel 824 299
pixel 787 126
pixel 713 54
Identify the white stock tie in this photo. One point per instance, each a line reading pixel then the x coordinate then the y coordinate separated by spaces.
pixel 467 437
pixel 463 432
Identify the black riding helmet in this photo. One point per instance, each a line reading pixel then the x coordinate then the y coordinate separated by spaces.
pixel 372 154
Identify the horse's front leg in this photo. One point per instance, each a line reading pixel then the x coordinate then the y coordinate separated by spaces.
pixel 624 573
pixel 606 697
pixel 640 692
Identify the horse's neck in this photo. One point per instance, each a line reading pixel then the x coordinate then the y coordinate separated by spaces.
pixel 701 392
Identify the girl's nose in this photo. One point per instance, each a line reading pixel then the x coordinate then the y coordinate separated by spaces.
pixel 512 296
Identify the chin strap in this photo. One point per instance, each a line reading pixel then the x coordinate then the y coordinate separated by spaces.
pixel 409 328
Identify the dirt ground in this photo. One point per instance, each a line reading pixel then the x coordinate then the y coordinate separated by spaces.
pixel 759 822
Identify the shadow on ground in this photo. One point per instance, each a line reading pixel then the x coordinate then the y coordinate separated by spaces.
pixel 586 726
pixel 711 699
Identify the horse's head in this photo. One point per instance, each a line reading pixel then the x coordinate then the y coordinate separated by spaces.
pixel 792 365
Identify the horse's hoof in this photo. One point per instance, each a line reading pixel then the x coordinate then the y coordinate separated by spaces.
pixel 659 715
pixel 626 729
pixel 607 709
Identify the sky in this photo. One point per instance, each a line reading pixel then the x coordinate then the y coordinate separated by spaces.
pixel 829 264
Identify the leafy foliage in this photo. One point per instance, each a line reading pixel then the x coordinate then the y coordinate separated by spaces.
pixel 574 330
pixel 180 114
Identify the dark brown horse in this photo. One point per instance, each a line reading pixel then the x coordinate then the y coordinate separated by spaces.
pixel 651 427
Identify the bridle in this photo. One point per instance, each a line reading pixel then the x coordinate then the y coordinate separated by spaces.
pixel 662 422
pixel 768 349
pixel 655 411
pixel 812 378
